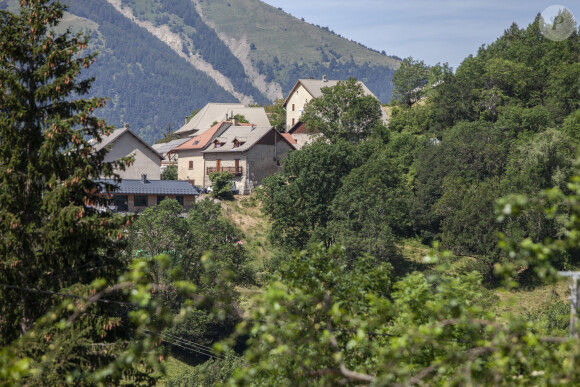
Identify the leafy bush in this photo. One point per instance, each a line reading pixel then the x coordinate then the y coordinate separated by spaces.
pixel 221 185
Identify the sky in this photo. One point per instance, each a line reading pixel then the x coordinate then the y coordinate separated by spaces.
pixel 429 30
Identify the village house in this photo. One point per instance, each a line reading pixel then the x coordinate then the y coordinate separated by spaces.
pixel 303 91
pixel 301 135
pixel 249 152
pixel 122 143
pixel 135 195
pixel 217 112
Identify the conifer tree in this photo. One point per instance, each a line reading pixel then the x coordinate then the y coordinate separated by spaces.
pixel 51 235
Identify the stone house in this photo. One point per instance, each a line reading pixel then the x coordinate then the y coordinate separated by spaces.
pixel 122 143
pixel 249 152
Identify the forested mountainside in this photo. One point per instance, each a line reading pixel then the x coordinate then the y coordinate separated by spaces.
pixel 160 60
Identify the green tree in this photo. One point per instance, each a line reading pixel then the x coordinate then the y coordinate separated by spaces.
pixel 344 112
pixel 409 81
pixel 47 168
pixel 221 185
pixel 167 136
pixel 69 315
pixel 170 173
pixel 277 114
pixel 298 199
pixel 370 211
pixel 241 119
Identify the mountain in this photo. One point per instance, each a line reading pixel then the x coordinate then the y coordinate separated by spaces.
pixel 161 59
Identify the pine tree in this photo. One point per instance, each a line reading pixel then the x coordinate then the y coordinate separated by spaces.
pixel 51 235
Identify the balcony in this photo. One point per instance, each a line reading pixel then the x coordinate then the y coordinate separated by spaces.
pixel 236 171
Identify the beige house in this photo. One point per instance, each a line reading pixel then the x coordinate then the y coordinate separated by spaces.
pixel 305 90
pixel 217 112
pixel 122 143
pixel 249 152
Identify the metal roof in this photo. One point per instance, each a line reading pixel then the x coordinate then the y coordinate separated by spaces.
pixel 252 135
pixel 154 187
pixel 166 147
pixel 213 112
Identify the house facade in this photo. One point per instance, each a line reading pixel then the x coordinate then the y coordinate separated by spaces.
pixel 249 153
pixel 122 143
pixel 305 90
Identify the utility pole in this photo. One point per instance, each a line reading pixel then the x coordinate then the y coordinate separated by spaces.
pixel 575 275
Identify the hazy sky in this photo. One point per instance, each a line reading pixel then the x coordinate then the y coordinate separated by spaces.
pixel 431 30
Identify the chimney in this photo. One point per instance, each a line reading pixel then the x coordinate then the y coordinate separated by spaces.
pixel 324 79
pixel 143 178
pixel 185 120
pixel 235 120
pixel 226 117
pixel 126 125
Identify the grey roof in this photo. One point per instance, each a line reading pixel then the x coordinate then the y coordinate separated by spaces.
pixel 213 112
pixel 166 147
pixel 154 187
pixel 114 136
pixel 243 133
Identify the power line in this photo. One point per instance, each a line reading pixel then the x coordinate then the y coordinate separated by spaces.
pixel 195 345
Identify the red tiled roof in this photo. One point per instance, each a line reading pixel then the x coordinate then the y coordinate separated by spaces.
pixel 201 141
pixel 289 137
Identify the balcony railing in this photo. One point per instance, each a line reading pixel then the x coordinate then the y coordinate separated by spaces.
pixel 233 170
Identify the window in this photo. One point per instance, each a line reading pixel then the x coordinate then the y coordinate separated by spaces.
pixel 140 201
pixel 179 200
pixel 121 202
pixel 293 107
pixel 292 121
pixel 191 164
pixel 160 198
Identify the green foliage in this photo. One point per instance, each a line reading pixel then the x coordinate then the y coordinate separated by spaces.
pixel 47 169
pixel 221 185
pixel 343 112
pixel 410 81
pixel 316 328
pixel 298 199
pixel 370 210
pixel 170 173
pixel 241 119
pixel 161 229
pixel 277 114
pixel 211 373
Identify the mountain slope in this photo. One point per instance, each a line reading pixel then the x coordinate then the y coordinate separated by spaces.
pixel 159 59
